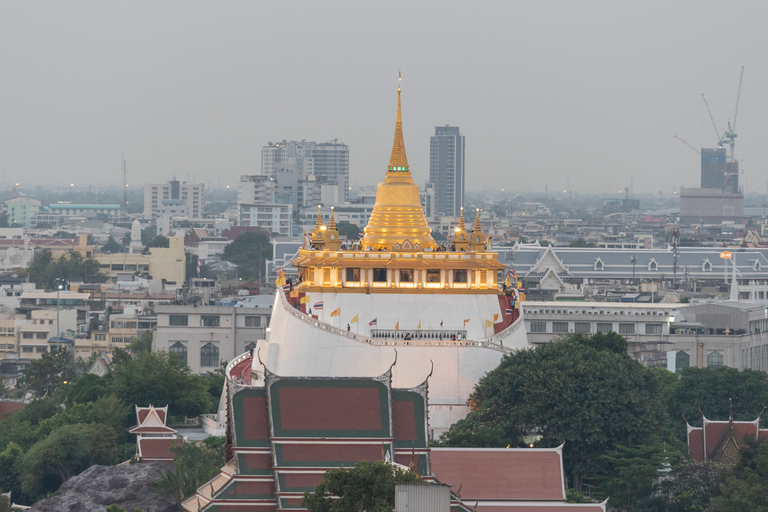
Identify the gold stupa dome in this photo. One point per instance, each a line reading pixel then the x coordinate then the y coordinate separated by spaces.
pixel 397 221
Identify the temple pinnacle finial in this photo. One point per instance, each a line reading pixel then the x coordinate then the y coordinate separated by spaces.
pixel 319 222
pixel 399 79
pixel 461 218
pixel 332 223
pixel 477 221
pixel 398 162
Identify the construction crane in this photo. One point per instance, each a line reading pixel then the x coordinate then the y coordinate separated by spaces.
pixel 697 150
pixel 729 135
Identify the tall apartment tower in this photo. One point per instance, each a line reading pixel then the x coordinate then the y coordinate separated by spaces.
pixel 326 162
pixel 446 169
pixel 175 199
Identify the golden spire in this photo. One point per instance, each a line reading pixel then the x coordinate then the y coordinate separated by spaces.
pixel 332 223
pixel 398 162
pixel 461 219
pixel 332 242
pixel 477 221
pixel 319 222
pixel 461 236
pixel 478 238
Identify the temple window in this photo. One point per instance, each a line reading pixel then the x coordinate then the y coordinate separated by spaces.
pixel 379 275
pixel 406 276
pixel 714 360
pixel 180 350
pixel 604 327
pixel 209 321
pixel 682 360
pixel 353 274
pixel 459 276
pixel 209 355
pixel 178 320
pixel 433 275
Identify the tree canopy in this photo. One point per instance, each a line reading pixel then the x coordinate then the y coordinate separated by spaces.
pixel 249 251
pixel 45 269
pixel 43 376
pixel 369 486
pixel 577 390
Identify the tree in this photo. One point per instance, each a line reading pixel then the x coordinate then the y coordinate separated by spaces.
pixel 141 344
pixel 580 242
pixel 715 392
pixel 160 379
pixel 690 487
pixel 44 269
pixel 566 391
pixel 111 246
pixel 747 488
pixel 147 234
pixel 159 241
pixel 67 451
pixel 249 251
pixel 348 230
pixel 194 464
pixel 370 486
pixel 43 376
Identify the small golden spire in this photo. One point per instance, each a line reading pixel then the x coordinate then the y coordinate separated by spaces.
pixel 477 222
pixel 319 222
pixel 461 218
pixel 332 223
pixel 398 162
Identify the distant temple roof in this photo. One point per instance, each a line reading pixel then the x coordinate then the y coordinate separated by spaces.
pixel 722 440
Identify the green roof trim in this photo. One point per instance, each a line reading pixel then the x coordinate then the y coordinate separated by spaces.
pixel 418 410
pixel 238 406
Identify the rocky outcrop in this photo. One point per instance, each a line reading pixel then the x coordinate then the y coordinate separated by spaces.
pixel 98 487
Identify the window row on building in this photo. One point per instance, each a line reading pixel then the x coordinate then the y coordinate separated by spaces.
pixel 625 328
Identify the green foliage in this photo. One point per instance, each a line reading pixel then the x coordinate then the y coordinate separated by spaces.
pixel 582 393
pixel 43 376
pixel 147 234
pixel 115 508
pixel 348 230
pixel 160 379
pixel 159 241
pixel 111 246
pixel 629 473
pixel 194 464
pixel 580 242
pixel 44 269
pixel 86 388
pixel 714 391
pixel 370 486
pixel 747 488
pixel 249 251
pixel 690 487
pixel 141 344
pixel 67 451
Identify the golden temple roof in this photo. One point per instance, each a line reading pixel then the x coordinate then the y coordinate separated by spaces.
pixel 397 221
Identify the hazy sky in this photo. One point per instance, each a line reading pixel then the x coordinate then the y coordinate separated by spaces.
pixel 545 92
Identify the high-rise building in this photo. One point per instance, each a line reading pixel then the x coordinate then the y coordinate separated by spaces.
pixel 717 172
pixel 325 161
pixel 174 199
pixel 264 205
pixel 446 169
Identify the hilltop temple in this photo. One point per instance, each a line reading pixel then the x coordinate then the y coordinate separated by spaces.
pixel 396 295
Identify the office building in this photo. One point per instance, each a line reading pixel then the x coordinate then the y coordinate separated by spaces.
pixel 174 199
pixel 446 169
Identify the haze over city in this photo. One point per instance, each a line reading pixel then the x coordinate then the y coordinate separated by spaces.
pixel 585 93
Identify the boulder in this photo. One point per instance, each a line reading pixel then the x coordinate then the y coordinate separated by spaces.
pixel 96 488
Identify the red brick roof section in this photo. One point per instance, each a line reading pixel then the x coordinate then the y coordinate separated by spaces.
pixel 537 507
pixel 501 474
pixel 7 408
pixel 325 455
pixel 256 417
pixel 696 443
pixel 404 420
pixel 330 408
pixel 156 448
pixel 141 413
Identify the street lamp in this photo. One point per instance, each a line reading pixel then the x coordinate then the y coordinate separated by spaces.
pixel 633 259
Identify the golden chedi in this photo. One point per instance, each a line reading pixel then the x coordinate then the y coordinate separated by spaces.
pixel 397 221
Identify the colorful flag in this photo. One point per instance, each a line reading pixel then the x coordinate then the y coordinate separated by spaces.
pixel 336 312
pixel 506 281
pixel 441 323
pixel 495 316
pixel 304 300
pixel 397 325
pixel 286 288
pixel 294 293
pixel 465 321
pixel 318 305
pixel 371 324
pixel 419 327
pixel 361 235
pixel 488 323
pixel 354 319
pixel 199 264
pixel 509 311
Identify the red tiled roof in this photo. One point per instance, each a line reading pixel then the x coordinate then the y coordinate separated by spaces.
pixel 352 408
pixel 155 448
pixel 501 474
pixel 696 443
pixel 7 408
pixel 536 507
pixel 151 430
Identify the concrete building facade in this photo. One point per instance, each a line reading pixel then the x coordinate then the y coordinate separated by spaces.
pixel 446 169
pixel 174 198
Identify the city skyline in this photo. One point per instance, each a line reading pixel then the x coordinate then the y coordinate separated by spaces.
pixel 586 94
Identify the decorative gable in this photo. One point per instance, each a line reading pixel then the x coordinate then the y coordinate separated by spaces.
pixel 706 266
pixel 652 265
pixel 599 265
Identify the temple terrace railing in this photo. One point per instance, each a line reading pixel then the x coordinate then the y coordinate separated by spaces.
pixel 420 334
pixel 398 342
